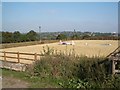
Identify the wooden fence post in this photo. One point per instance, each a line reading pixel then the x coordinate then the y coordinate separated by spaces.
pixel 113 67
pixel 18 56
pixel 4 56
pixel 35 56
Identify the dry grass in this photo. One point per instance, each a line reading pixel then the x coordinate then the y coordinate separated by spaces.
pixel 94 47
pixel 10 45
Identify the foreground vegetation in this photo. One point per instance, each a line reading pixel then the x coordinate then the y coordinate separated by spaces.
pixel 75 72
pixel 63 71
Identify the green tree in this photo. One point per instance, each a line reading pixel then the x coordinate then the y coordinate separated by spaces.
pixel 23 38
pixel 7 37
pixel 86 37
pixel 75 36
pixel 61 37
pixel 32 35
pixel 16 36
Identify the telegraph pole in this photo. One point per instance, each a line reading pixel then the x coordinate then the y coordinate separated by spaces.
pixel 74 32
pixel 40 33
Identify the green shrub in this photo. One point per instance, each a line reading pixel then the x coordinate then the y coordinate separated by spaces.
pixel 75 83
pixel 71 71
pixel 58 67
pixel 89 69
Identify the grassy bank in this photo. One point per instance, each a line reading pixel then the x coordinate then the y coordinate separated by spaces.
pixel 10 45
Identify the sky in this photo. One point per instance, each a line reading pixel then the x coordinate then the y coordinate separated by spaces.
pixel 60 16
pixel 0 16
pixel 60 0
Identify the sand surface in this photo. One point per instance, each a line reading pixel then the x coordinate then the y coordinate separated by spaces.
pixel 82 47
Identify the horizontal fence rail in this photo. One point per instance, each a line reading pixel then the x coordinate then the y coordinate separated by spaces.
pixel 117 49
pixel 18 56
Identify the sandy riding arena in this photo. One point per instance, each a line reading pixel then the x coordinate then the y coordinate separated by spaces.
pixel 81 47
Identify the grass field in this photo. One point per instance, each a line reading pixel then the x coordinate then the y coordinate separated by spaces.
pixel 10 45
pixel 93 47
pixel 13 79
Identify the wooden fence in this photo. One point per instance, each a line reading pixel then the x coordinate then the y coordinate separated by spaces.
pixel 18 56
pixel 114 59
pixel 113 69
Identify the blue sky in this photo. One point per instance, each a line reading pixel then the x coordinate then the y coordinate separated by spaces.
pixel 59 0
pixel 60 16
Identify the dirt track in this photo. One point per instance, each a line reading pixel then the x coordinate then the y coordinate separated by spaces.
pixel 10 82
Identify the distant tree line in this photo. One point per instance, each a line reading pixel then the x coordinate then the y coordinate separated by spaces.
pixel 15 37
pixel 9 37
pixel 87 37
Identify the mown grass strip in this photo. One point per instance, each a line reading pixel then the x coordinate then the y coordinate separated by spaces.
pixel 10 45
